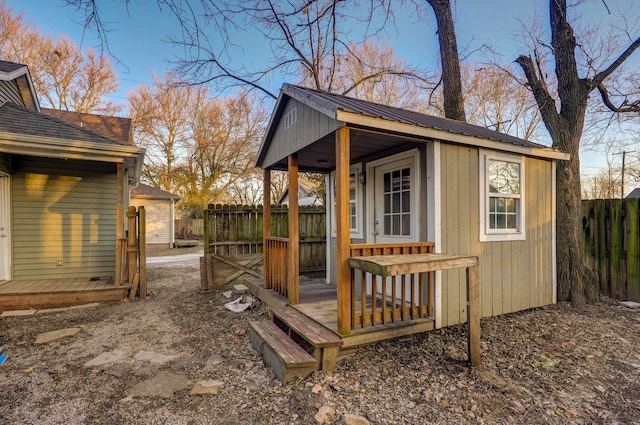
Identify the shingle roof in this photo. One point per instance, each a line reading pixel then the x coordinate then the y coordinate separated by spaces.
pixel 115 128
pixel 18 120
pixel 334 103
pixel 9 67
pixel 146 191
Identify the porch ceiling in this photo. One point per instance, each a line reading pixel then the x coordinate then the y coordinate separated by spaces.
pixel 366 145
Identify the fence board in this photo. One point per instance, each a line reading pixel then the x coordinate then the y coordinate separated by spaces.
pixel 237 230
pixel 612 245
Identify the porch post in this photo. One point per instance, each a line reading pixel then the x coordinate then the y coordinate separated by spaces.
pixel 343 234
pixel 266 224
pixel 293 256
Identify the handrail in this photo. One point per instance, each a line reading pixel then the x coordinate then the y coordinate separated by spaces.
pixel 275 274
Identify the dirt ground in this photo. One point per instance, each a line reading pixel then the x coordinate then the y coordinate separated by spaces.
pixel 552 365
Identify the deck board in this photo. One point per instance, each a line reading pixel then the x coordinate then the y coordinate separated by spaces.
pixel 48 293
pixel 318 300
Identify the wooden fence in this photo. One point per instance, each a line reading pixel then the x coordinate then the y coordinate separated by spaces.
pixel 612 245
pixel 189 228
pixel 237 230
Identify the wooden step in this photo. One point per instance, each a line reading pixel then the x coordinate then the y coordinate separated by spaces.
pixel 325 343
pixel 316 334
pixel 287 359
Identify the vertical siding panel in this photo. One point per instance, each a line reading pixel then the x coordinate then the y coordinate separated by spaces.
pixel 486 279
pixel 515 300
pixel 463 233
pixel 534 225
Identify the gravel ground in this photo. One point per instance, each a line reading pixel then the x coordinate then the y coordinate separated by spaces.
pixel 553 365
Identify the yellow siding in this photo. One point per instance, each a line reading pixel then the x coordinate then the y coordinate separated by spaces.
pixel 514 275
pixel 63 210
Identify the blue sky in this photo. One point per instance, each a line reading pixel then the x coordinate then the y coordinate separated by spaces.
pixel 139 34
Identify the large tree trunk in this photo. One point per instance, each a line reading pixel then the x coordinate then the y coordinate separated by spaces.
pixel 451 81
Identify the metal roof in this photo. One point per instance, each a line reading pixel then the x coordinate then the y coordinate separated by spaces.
pixel 335 103
pixel 377 129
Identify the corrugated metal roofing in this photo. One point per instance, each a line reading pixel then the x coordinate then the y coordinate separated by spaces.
pixel 334 103
pixel 18 120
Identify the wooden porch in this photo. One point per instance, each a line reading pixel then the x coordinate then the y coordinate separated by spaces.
pixel 318 302
pixel 49 293
pixel 129 277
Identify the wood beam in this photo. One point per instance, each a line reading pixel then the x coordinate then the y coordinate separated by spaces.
pixel 473 315
pixel 266 224
pixel 343 234
pixel 293 265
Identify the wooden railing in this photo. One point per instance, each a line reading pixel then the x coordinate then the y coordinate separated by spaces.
pixel 275 273
pixel 376 301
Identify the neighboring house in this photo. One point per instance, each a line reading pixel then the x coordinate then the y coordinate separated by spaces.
pixel 160 214
pixel 60 185
pixel 415 178
pixel 114 128
pixel 635 193
pixel 306 195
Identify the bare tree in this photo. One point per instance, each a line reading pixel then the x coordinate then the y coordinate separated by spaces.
pixel 451 79
pixel 564 119
pixel 497 101
pixel 224 136
pixel 159 116
pixel 64 76
pixel 371 71
pixel 309 41
pixel 565 125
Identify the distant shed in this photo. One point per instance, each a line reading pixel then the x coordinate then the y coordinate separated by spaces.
pixel 160 208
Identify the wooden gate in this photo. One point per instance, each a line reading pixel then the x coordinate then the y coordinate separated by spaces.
pixel 233 238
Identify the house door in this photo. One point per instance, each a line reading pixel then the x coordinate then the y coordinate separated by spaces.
pixel 395 207
pixel 5 226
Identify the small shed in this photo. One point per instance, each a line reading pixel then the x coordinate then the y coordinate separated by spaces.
pixel 413 200
pixel 160 208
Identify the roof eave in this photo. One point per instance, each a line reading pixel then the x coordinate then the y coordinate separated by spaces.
pixel 432 133
pixel 70 149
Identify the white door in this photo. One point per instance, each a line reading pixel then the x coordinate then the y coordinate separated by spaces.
pixel 5 247
pixel 395 209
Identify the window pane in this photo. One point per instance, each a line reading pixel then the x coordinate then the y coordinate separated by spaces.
pixel 492 204
pixel 406 201
pixel 406 224
pixel 511 205
pixel 511 221
pixel 387 203
pixel 500 221
pixel 387 182
pixel 396 203
pixel 396 225
pixel 387 225
pixel 396 180
pixel 406 179
pixel 504 177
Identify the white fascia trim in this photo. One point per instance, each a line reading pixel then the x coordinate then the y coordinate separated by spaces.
pixel 60 148
pixel 554 266
pixel 434 189
pixel 358 119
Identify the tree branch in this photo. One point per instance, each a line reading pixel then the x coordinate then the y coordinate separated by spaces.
pixel 604 94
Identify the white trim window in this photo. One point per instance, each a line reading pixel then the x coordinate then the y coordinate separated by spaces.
pixel 355 202
pixel 501 197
